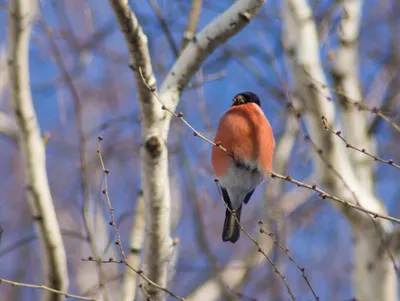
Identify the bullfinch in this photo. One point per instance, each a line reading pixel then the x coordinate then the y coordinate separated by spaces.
pixel 246 134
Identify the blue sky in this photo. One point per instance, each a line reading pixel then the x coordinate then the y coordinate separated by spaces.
pixel 316 230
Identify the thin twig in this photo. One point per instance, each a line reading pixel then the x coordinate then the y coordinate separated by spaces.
pixel 255 242
pixel 180 116
pixel 206 78
pixel 165 27
pixel 286 251
pixel 329 166
pixel 46 288
pixel 82 152
pixel 359 104
pixel 319 152
pixel 190 30
pixel 26 240
pixel 118 242
pixel 363 150
pixel 322 194
pixel 146 293
pixel 111 209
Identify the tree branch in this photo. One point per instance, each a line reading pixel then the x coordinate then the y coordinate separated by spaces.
pixel 191 26
pixel 155 127
pixel 333 163
pixel 82 156
pixel 48 289
pixel 21 17
pixel 165 27
pixel 203 44
pixel 154 162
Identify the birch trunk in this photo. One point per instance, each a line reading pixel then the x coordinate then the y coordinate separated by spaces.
pixel 21 17
pixel 158 244
pixel 374 276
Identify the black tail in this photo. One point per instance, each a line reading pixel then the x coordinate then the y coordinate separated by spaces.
pixel 231 230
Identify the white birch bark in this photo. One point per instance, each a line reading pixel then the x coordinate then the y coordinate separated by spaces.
pixel 8 127
pixel 155 127
pixel 345 73
pixel 374 276
pixel 3 70
pixel 130 281
pixel 21 17
pixel 154 154
pixel 232 275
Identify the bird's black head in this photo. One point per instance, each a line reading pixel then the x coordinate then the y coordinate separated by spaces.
pixel 245 97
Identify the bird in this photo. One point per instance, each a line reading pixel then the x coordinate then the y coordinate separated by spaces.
pixel 246 134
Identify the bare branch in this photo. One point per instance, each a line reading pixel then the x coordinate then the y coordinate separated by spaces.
pixel 213 35
pixel 334 165
pixel 21 17
pixel 191 26
pixel 146 293
pixel 26 240
pixel 48 289
pixel 82 153
pixel 324 195
pixel 235 271
pixel 165 27
pixel 141 274
pixel 153 285
pixel 360 150
pixel 284 279
pixel 343 201
pixel 287 252
pixel 154 167
pixel 136 41
pixel 156 121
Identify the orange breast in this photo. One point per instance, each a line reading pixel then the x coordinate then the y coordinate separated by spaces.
pixel 246 133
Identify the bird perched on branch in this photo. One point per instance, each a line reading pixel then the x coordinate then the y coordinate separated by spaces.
pixel 246 134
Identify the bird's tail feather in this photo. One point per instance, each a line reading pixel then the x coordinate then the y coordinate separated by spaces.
pixel 231 231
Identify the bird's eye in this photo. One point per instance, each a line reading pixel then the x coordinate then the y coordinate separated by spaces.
pixel 238 99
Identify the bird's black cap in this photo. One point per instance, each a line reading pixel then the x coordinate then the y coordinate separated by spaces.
pixel 245 97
